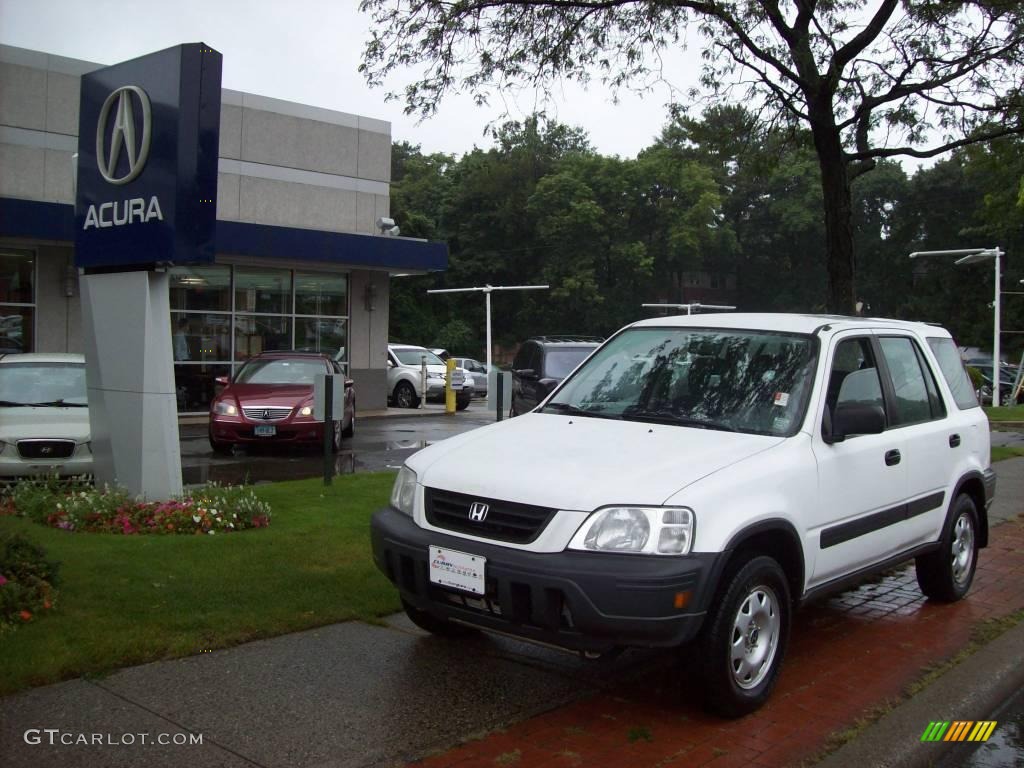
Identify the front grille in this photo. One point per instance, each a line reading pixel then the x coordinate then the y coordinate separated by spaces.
pixel 46 449
pixel 504 521
pixel 266 413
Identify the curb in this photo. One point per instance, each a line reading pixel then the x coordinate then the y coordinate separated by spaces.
pixel 970 691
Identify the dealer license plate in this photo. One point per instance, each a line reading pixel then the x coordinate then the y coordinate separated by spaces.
pixel 265 430
pixel 457 570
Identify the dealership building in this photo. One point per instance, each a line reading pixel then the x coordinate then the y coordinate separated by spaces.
pixel 300 262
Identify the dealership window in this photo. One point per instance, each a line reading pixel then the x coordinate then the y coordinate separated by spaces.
pixel 17 300
pixel 222 315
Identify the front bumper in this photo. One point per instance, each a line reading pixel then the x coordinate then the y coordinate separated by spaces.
pixel 238 431
pixel 578 600
pixel 14 467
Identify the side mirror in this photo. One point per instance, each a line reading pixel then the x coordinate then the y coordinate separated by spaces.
pixel 221 381
pixel 547 385
pixel 349 383
pixel 526 373
pixel 390 364
pixel 856 419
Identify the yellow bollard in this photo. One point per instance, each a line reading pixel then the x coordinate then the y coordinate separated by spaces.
pixel 449 393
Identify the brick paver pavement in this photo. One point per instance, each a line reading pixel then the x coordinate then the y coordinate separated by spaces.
pixel 846 656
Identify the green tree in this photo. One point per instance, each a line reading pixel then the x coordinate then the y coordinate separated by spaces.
pixel 869 79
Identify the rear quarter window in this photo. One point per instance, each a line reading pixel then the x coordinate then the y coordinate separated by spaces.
pixel 953 371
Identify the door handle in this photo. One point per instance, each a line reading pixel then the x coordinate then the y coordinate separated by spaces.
pixel 954 441
pixel 892 458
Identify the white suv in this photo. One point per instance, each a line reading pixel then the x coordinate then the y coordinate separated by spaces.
pixel 405 377
pixel 694 480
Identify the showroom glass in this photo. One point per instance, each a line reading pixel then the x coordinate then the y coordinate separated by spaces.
pixel 281 371
pixel 201 288
pixel 321 334
pixel 196 385
pixel 261 333
pixel 267 291
pixel 321 294
pixel 745 381
pixel 415 356
pixel 49 383
pixel 952 367
pixel 17 301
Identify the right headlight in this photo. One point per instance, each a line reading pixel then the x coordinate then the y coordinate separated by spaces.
pixel 224 408
pixel 403 492
pixel 639 530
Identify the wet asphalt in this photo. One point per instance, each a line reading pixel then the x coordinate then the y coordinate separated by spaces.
pixel 1005 748
pixel 379 444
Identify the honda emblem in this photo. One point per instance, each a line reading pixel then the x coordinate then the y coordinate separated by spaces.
pixel 478 511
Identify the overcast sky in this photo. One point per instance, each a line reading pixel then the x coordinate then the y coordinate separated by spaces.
pixel 308 51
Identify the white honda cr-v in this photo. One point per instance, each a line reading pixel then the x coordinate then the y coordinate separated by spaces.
pixel 694 480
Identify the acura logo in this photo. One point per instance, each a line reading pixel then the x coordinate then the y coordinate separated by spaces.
pixel 122 135
pixel 266 414
pixel 478 511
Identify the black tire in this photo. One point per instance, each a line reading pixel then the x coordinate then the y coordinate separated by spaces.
pixel 405 396
pixel 462 403
pixel 221 448
pixel 734 687
pixel 350 430
pixel 947 574
pixel 435 626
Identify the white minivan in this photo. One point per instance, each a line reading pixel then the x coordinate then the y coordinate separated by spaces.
pixel 691 483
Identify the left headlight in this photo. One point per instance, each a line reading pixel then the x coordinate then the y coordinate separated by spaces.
pixel 639 530
pixel 403 492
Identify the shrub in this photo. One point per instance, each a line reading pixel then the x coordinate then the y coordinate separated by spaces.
pixel 77 507
pixel 27 579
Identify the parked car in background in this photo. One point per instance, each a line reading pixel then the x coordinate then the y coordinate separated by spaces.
pixel 405 363
pixel 693 482
pixel 444 354
pixel 44 416
pixel 270 401
pixel 477 370
pixel 541 363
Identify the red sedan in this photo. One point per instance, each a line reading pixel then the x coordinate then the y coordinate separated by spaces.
pixel 270 400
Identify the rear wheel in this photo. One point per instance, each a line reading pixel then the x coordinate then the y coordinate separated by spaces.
pixel 947 574
pixel 405 396
pixel 435 626
pixel 744 638
pixel 462 403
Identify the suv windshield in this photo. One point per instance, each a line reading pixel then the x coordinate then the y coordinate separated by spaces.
pixel 278 371
pixel 52 384
pixel 733 380
pixel 413 356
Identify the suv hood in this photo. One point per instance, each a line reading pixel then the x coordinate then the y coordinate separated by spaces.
pixel 580 463
pixel 58 423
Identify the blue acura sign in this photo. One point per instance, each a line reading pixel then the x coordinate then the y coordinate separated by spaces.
pixel 148 141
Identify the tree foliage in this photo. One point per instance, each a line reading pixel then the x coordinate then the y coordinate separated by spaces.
pixel 867 79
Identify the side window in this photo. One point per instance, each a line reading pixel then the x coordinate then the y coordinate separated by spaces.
pixel 952 368
pixel 854 376
pixel 913 404
pixel 520 359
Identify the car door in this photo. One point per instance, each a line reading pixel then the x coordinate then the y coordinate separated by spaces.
pixel 862 479
pixel 930 440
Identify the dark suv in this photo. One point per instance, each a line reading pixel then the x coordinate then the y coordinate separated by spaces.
pixel 541 363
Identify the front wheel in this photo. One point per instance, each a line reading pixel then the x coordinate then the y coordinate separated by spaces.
pixel 405 395
pixel 435 626
pixel 462 403
pixel 947 574
pixel 350 430
pixel 745 638
pixel 223 449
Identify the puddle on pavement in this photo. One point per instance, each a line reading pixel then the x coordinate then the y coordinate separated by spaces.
pixel 258 470
pixel 1006 745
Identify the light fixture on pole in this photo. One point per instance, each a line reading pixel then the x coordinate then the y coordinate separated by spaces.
pixel 692 307
pixel 973 256
pixel 486 291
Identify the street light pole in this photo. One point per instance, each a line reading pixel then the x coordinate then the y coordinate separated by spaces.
pixel 972 256
pixel 486 290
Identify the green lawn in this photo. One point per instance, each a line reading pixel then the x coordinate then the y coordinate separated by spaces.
pixel 1013 413
pixel 125 600
pixel 1000 452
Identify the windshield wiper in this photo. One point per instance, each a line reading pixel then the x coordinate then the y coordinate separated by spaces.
pixel 665 417
pixel 60 403
pixel 566 409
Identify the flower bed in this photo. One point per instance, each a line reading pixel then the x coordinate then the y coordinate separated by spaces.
pixel 77 507
pixel 26 581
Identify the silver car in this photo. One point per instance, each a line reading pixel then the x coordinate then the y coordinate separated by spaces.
pixel 405 383
pixel 477 370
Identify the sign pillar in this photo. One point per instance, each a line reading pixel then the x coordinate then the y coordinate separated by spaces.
pixel 148 141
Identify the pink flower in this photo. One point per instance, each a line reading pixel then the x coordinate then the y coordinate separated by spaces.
pixel 3 579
